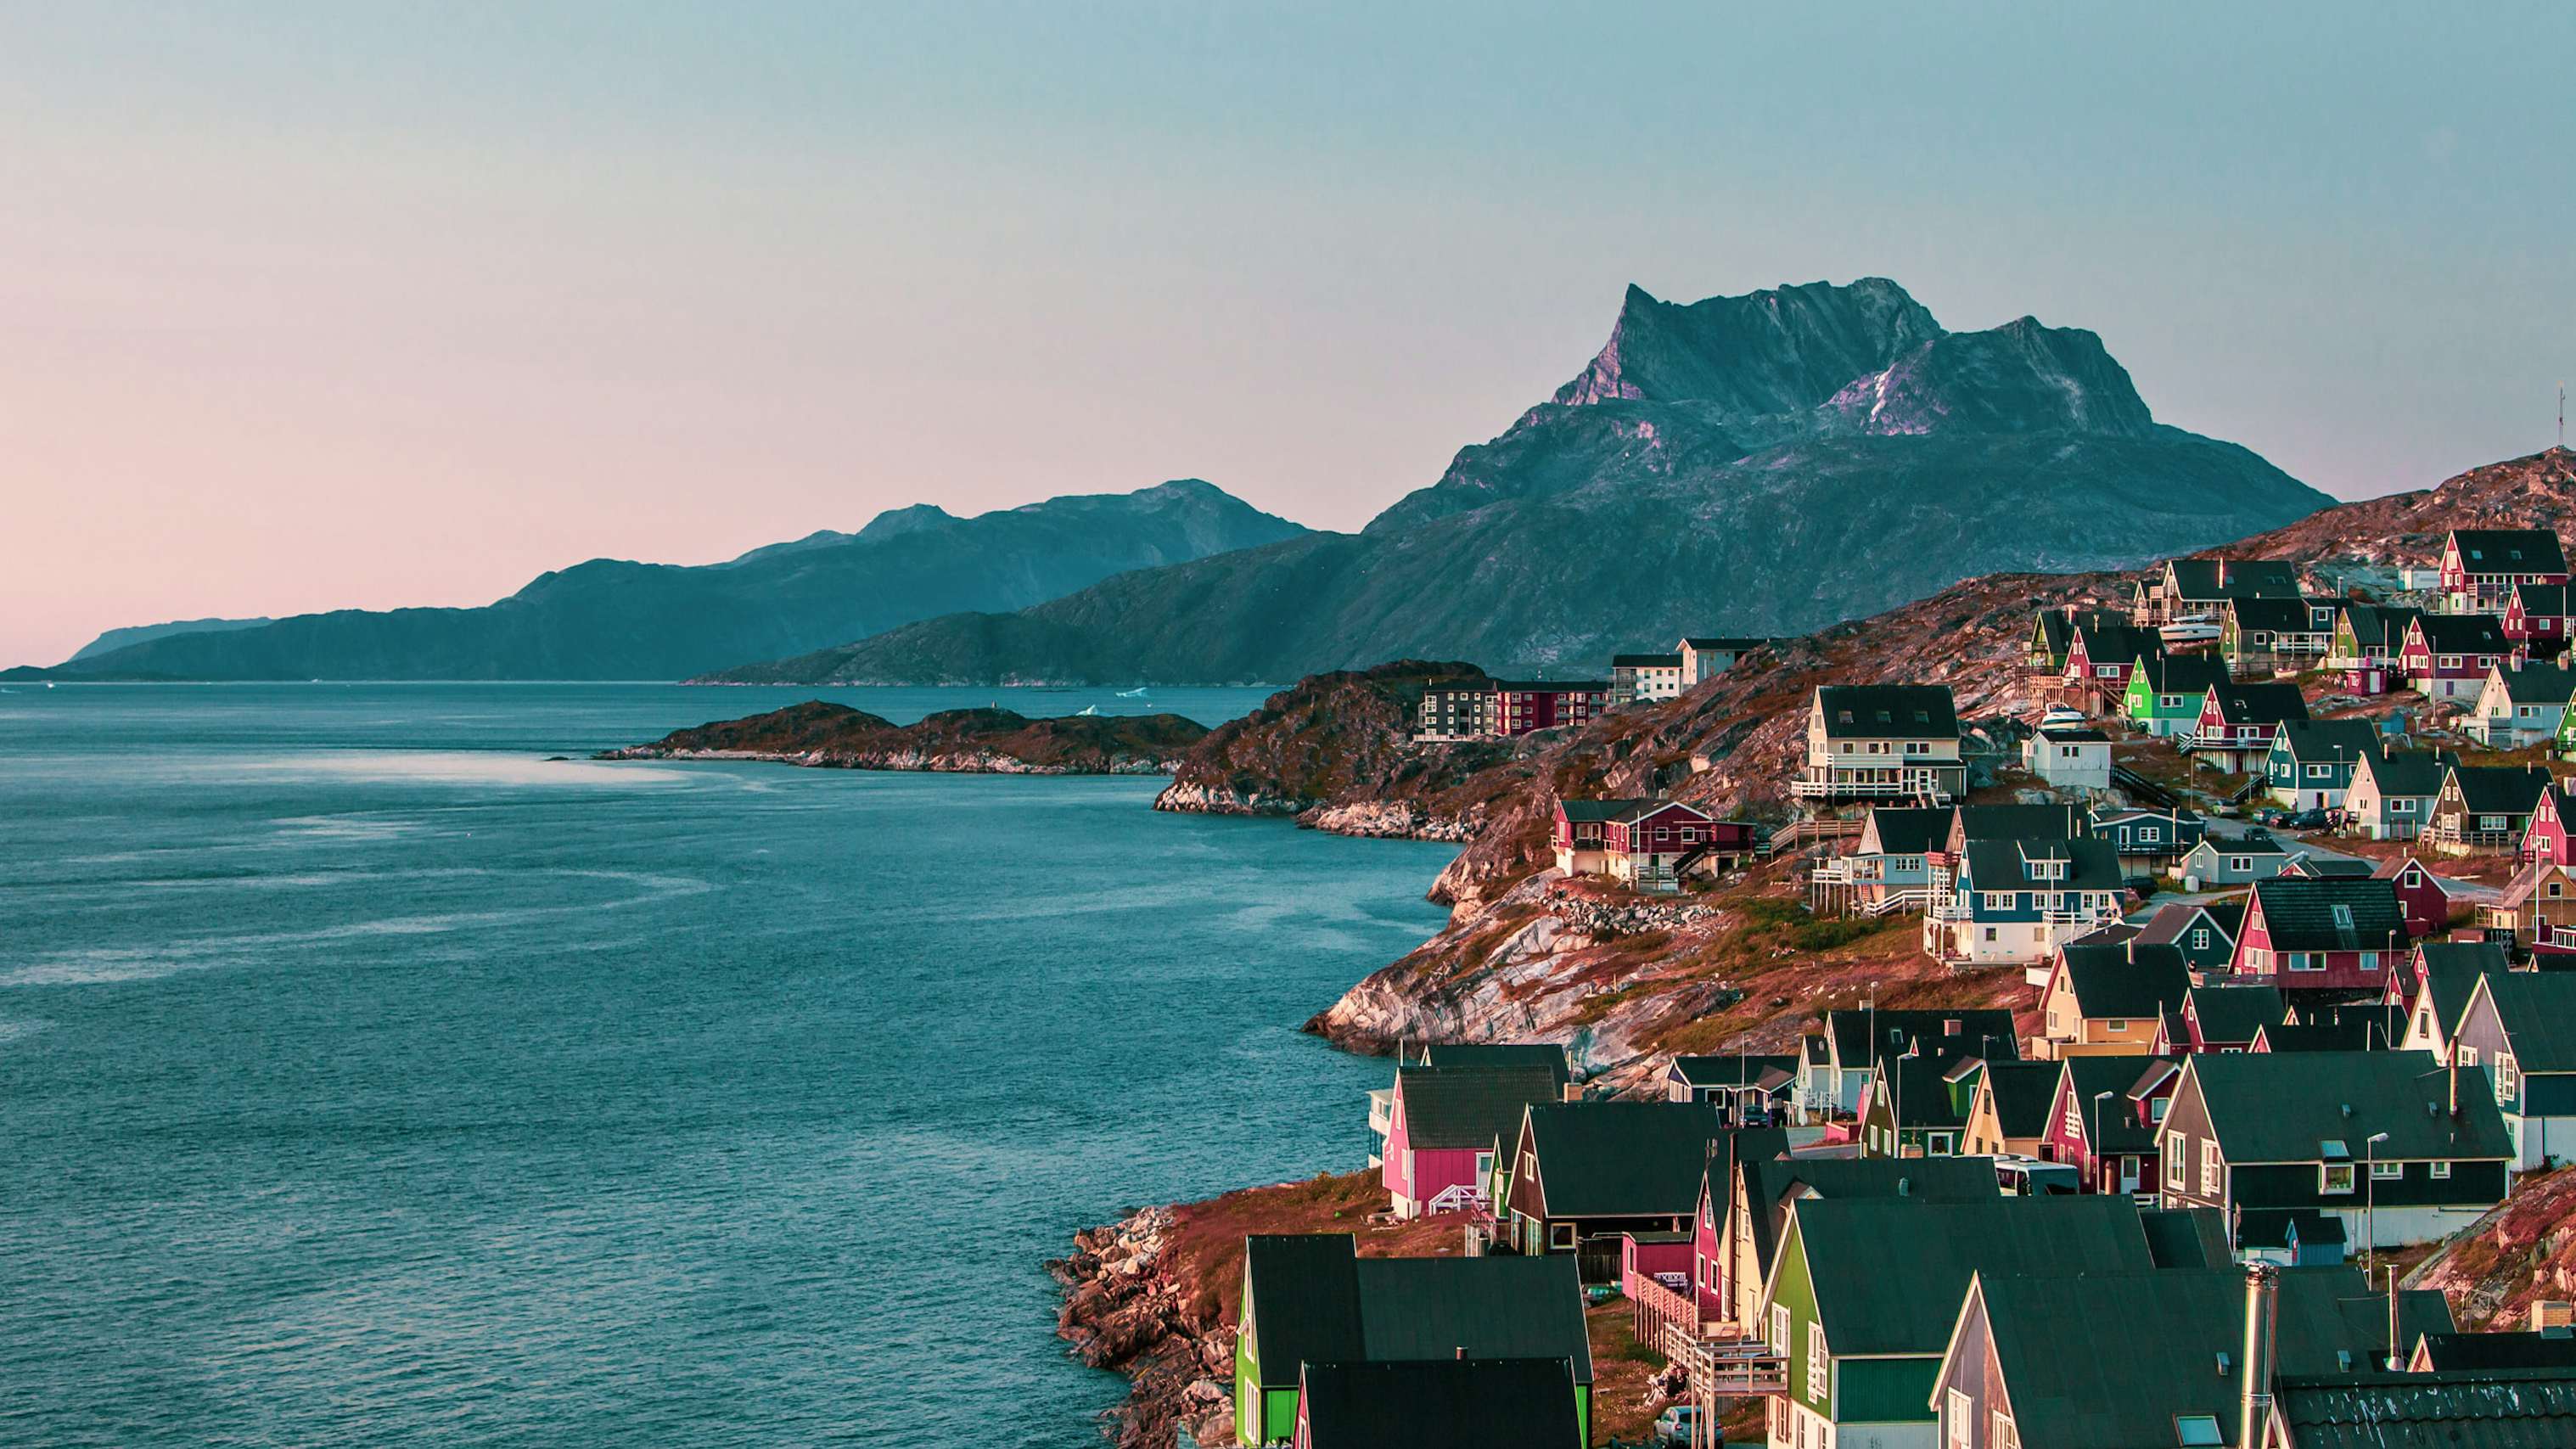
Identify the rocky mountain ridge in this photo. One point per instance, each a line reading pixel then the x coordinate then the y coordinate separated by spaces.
pixel 1827 451
pixel 822 735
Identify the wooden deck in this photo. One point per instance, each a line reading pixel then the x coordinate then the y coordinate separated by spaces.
pixel 1723 1362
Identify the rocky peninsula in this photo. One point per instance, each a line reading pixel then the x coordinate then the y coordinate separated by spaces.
pixel 821 735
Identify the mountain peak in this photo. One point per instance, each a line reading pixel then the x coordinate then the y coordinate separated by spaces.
pixel 1780 350
pixel 912 518
pixel 2021 377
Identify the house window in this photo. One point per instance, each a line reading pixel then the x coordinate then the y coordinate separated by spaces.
pixel 2334 1177
pixel 2441 1169
pixel 2210 1171
pixel 2241 864
pixel 1958 1420
pixel 1560 1235
pixel 2303 961
pixel 2369 960
pixel 2508 1077
pixel 2200 938
pixel 2156 1108
pixel 2115 1024
pixel 1780 1329
pixel 2174 1177
pixel 2386 1171
pixel 2006 1435
pixel 1819 1364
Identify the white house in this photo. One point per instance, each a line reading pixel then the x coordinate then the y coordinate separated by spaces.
pixel 2070 759
pixel 1894 742
pixel 2521 704
pixel 1645 676
pixel 1707 658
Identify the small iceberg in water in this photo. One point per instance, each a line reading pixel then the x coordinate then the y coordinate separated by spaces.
pixel 1137 693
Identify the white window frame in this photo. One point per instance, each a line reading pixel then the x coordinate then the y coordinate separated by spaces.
pixel 2385 1170
pixel 2441 1169
pixel 1780 1329
pixel 2326 1179
pixel 1819 1363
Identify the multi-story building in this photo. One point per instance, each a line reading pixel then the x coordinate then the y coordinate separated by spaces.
pixel 1883 742
pixel 2481 566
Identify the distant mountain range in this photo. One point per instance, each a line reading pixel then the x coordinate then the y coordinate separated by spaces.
pixel 609 619
pixel 1763 464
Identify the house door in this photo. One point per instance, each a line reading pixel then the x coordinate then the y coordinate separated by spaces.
pixel 2128 1174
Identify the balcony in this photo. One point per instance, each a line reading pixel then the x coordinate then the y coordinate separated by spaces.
pixel 1381 1112
pixel 1839 784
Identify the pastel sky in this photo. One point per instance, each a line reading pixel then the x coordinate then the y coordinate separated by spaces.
pixel 317 305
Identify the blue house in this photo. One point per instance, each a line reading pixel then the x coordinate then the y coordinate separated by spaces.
pixel 2018 899
pixel 2148 842
pixel 2311 763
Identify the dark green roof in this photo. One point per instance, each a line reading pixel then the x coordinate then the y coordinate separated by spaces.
pixel 1592 812
pixel 1852 1031
pixel 2129 980
pixel 2087 863
pixel 1498 1054
pixel 2500 789
pixel 2108 1362
pixel 2023 1091
pixel 2113 1121
pixel 1441 1403
pixel 2509 550
pixel 2464 634
pixel 2408 772
pixel 2501 1350
pixel 2233 578
pixel 1773 1181
pixel 2539 683
pixel 1730 1071
pixel 2187 1237
pixel 2235 1013
pixel 2328 741
pixel 2020 822
pixel 2461 1409
pixel 2451 972
pixel 2344 1034
pixel 2191 674
pixel 1889 1272
pixel 2379 626
pixel 1631 1159
pixel 2538 1011
pixel 2241 703
pixel 1889 711
pixel 2282 615
pixel 1449 1107
pixel 2331 913
pixel 2311 1106
pixel 1314 1301
pixel 1912 829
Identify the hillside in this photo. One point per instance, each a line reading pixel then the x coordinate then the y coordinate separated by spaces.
pixel 969 741
pixel 611 619
pixel 1826 452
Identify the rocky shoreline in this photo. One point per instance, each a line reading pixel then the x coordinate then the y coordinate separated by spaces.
pixel 1124 1312
pixel 818 735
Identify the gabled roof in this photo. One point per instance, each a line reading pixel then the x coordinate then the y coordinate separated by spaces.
pixel 1593 812
pixel 2327 741
pixel 2264 703
pixel 2395 866
pixel 2450 973
pixel 1629 1159
pixel 1316 1301
pixel 2182 673
pixel 1910 830
pixel 1645 661
pixel 2469 1409
pixel 2187 1237
pixel 2116 640
pixel 2538 1012
pixel 1639 809
pixel 2509 551
pixel 1437 1403
pixel 2463 633
pixel 2379 626
pixel 2541 599
pixel 2324 866
pixel 2105 813
pixel 2536 1349
pixel 2279 614
pixel 2234 1013
pixel 2110 1362
pixel 2324 1106
pixel 2023 1092
pixel 1888 1274
pixel 2354 1035
pixel 2405 772
pixel 2536 683
pixel 2252 842
pixel 1888 711
pixel 2333 913
pixel 1306 1300
pixel 1773 1182
pixel 2086 862
pixel 1544 1054
pixel 1469 1107
pixel 2136 980
pixel 2110 1126
pixel 1918 1090
pixel 1853 1030
pixel 1721 643
pixel 2500 789
pixel 2019 822
pixel 2233 578
pixel 1734 1071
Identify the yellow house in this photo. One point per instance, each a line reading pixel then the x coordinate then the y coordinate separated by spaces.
pixel 2109 999
pixel 2009 1114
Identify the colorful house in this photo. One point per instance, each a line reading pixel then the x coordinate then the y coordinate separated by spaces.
pixel 2148 842
pixel 2052 635
pixel 1746 1091
pixel 2435 988
pixel 2481 566
pixel 1526 706
pixel 2311 763
pixel 1648 845
pixel 2204 932
pixel 2069 757
pixel 2110 998
pixel 2521 1027
pixel 1743 1237
pixel 2008 1111
pixel 2420 894
pixel 1436 1403
pixel 2200 588
pixel 2276 635
pixel 2369 646
pixel 2521 703
pixel 2340 934
pixel 2220 1019
pixel 2233 860
pixel 2102 1117
pixel 1585 1172
pixel 1311 1299
pixel 2483 809
pixel 2535 619
pixel 1855 1038
pixel 2447 656
pixel 1443 1123
pixel 2238 721
pixel 2100 655
pixel 2391 794
pixel 2387 1141
pixel 2016 900
pixel 1864 1292
pixel 1707 657
pixel 2165 692
pixel 1888 866
pixel 1883 742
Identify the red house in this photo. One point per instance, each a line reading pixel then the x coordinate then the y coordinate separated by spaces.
pixel 2481 566
pixel 2104 1119
pixel 2220 1019
pixel 2447 656
pixel 2420 895
pixel 1442 1129
pixel 1522 706
pixel 2337 933
pixel 2535 619
pixel 2546 840
pixel 2238 721
pixel 2102 654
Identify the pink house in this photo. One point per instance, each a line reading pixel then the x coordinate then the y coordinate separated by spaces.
pixel 2535 619
pixel 1442 1130
pixel 2340 933
pixel 2447 656
pixel 2546 841
pixel 1665 1258
pixel 2420 895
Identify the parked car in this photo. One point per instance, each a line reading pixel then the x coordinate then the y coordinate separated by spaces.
pixel 1676 1423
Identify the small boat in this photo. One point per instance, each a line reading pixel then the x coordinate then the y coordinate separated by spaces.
pixel 1137 693
pixel 2061 717
pixel 1086 709
pixel 2190 631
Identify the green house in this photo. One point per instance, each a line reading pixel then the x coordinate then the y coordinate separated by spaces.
pixel 1864 1293
pixel 2165 691
pixel 1311 1299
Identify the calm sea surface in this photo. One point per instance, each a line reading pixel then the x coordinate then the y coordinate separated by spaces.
pixel 367 1078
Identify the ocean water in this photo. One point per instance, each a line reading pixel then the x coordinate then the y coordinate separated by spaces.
pixel 368 1078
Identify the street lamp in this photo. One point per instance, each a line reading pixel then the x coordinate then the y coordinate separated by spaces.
pixel 2370 1195
pixel 2096 1143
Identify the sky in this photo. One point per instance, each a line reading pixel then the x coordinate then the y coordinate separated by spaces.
pixel 329 305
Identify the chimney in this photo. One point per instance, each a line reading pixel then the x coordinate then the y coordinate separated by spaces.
pixel 2396 1350
pixel 2262 1297
pixel 2455 1082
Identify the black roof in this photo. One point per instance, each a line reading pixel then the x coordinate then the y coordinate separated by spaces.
pixel 2406 772
pixel 2466 1408
pixel 1773 1183
pixel 2538 1349
pixel 1645 661
pixel 2499 789
pixel 2019 822
pixel 2023 1092
pixel 2509 551
pixel 1888 711
pixel 2538 683
pixel 2538 1012
pixel 2183 673
pixel 2132 980
pixel 2332 913
pixel 1550 686
pixel 2086 862
pixel 1910 829
pixel 1731 1071
pixel 2233 578
pixel 1469 1107
pixel 2234 1013
pixel 2328 741
pixel 2279 613
pixel 2450 973
pixel 1954 1033
pixel 1889 1274
pixel 1306 1300
pixel 1315 1301
pixel 2538 599
pixel 2321 1106
pixel 2174 920
pixel 1593 812
pixel 2463 633
pixel 1437 1403
pixel 1499 1054
pixel 2262 703
pixel 1631 1159
pixel 2379 626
